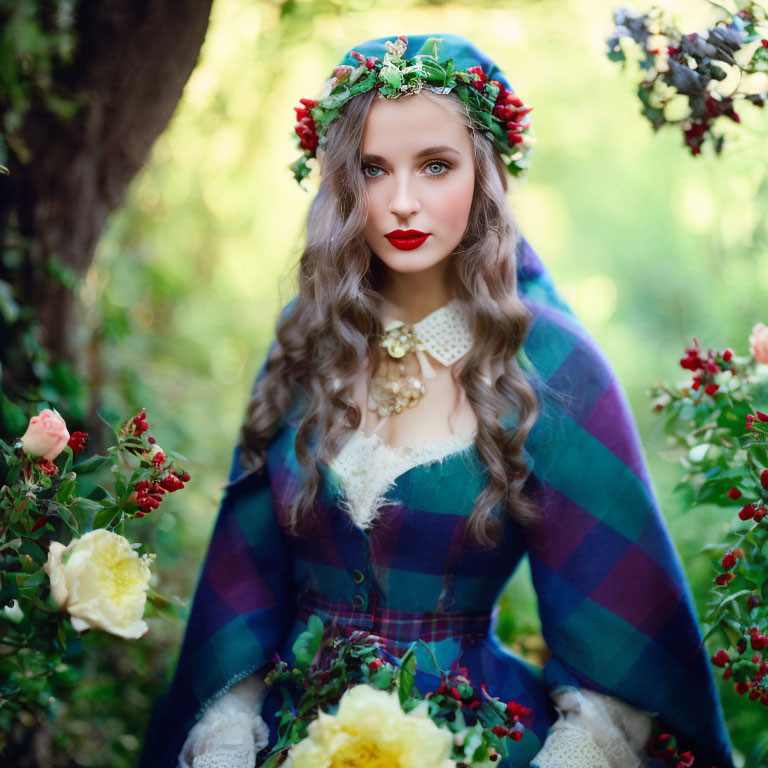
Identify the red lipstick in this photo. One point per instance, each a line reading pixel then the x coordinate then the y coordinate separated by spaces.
pixel 407 239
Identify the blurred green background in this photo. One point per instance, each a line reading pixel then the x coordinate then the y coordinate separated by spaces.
pixel 648 244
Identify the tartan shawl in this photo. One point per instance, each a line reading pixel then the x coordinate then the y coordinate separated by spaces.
pixel 615 607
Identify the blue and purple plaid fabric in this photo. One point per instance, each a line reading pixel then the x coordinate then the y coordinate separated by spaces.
pixel 616 610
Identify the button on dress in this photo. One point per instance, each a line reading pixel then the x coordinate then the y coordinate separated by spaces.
pixel 616 611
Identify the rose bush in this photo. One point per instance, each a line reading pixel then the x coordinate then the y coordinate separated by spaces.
pixel 67 566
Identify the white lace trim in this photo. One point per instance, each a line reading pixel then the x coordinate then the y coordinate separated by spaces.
pixel 589 720
pixel 569 747
pixel 367 469
pixel 231 731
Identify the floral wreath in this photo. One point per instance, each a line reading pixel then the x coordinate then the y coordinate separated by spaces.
pixel 494 109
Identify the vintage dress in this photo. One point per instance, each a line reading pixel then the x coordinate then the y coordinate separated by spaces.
pixel 615 608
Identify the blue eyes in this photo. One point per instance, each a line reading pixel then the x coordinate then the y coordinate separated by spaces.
pixel 433 168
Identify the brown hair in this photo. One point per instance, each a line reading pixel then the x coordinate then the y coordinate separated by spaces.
pixel 333 329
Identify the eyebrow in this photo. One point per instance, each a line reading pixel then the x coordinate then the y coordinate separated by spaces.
pixel 440 150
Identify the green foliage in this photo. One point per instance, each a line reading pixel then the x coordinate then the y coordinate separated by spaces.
pixel 35 39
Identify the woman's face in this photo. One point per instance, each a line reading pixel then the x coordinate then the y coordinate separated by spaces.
pixel 418 165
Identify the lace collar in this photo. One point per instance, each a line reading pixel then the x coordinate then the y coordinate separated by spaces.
pixel 443 333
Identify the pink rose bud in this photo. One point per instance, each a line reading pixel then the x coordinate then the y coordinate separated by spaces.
pixel 46 435
pixel 758 342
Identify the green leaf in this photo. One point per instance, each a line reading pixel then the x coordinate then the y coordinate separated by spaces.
pixel 407 674
pixel 392 77
pixel 32 580
pixel 383 678
pixel 106 516
pixel 12 418
pixel 29 547
pixel 92 464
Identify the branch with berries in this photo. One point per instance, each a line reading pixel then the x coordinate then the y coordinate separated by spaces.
pixel 717 423
pixel 690 80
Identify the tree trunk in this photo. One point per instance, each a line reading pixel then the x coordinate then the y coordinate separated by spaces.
pixel 132 60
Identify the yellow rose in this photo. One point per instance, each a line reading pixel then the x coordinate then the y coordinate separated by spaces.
pixel 101 582
pixel 370 730
pixel 758 342
pixel 46 435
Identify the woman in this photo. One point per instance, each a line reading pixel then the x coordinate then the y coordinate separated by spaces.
pixel 431 411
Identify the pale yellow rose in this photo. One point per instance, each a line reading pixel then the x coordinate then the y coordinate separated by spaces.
pixel 370 730
pixel 101 582
pixel 46 435
pixel 758 342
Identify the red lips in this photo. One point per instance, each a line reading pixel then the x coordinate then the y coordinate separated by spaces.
pixel 407 239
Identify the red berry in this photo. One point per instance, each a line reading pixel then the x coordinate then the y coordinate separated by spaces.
pixel 747 512
pixel 752 601
pixel 734 493
pixel 499 730
pixel 515 735
pixel 721 658
pixel 764 479
pixel 727 355
pixel 723 578
pixel 729 560
pixel 762 416
pixel 741 688
pixel 711 388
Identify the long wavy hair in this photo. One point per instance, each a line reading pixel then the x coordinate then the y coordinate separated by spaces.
pixel 333 330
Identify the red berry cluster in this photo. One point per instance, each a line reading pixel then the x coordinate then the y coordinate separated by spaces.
pixel 47 466
pixel 139 423
pixel 664 748
pixel 148 495
pixel 370 63
pixel 463 692
pixel 305 126
pixel 706 367
pixel 728 561
pixel 753 686
pixel 77 441
pixel 756 416
pixel 508 108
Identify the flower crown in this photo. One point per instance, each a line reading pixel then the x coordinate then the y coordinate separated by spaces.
pixel 494 109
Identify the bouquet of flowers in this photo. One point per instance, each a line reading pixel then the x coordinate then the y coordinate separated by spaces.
pixel 720 436
pixel 49 590
pixel 358 705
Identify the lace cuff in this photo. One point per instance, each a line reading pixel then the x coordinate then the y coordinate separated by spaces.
pixel 230 732
pixel 594 730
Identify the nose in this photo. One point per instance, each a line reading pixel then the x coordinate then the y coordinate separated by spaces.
pixel 405 200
